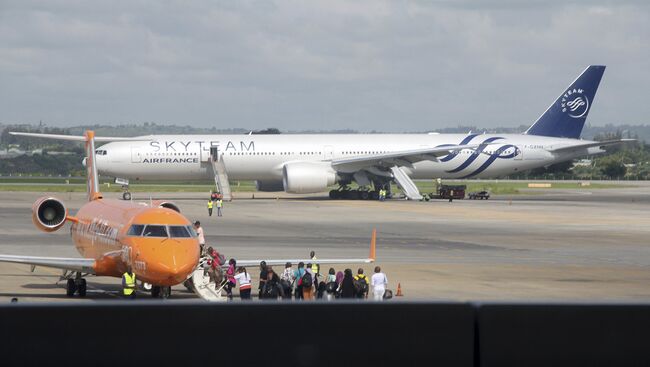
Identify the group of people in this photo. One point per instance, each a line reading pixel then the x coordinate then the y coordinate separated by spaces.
pixel 215 200
pixel 306 283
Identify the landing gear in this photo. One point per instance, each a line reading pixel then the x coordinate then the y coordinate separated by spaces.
pixel 126 195
pixel 161 292
pixel 71 288
pixel 76 285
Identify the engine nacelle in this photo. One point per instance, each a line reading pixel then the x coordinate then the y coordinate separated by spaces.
pixel 307 177
pixel 49 214
pixel 269 186
pixel 166 204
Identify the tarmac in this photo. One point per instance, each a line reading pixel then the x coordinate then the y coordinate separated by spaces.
pixel 583 245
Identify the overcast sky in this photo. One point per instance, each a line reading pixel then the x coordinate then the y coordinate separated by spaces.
pixel 296 65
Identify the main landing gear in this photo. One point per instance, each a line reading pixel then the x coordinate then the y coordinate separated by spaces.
pixel 161 292
pixel 347 193
pixel 76 285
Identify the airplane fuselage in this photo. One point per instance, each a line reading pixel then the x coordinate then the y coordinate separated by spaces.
pixel 262 157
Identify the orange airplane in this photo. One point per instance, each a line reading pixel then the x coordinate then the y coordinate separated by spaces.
pixel 155 240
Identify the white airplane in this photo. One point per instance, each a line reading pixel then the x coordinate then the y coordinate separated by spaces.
pixel 310 163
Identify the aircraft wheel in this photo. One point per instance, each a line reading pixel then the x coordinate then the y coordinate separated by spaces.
pixel 155 291
pixel 334 194
pixel 71 287
pixel 363 195
pixel 352 195
pixel 166 292
pixel 374 195
pixel 126 196
pixel 81 288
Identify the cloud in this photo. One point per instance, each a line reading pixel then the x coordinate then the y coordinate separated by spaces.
pixel 366 65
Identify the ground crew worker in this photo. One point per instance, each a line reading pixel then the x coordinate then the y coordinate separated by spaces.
pixel 315 268
pixel 210 207
pixel 451 195
pixel 200 236
pixel 128 283
pixel 219 206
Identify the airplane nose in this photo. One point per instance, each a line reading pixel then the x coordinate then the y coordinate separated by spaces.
pixel 170 262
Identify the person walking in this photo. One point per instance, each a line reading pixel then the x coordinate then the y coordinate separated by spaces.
pixel 298 274
pixel 230 278
pixel 200 237
pixel 361 284
pixel 210 203
pixel 263 274
pixel 272 288
pixel 128 283
pixel 244 280
pixel 308 283
pixel 287 280
pixel 379 283
pixel 219 206
pixel 339 280
pixel 347 285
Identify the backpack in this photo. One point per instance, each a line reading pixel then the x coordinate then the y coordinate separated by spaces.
pixel 306 280
pixel 361 285
pixel 331 287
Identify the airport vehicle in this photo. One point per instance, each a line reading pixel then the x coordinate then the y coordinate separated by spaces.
pixel 154 238
pixel 311 163
pixel 479 195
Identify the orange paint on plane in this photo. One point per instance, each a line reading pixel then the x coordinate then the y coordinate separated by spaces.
pixel 100 231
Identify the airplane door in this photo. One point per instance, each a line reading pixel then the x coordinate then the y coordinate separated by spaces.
pixel 519 154
pixel 136 154
pixel 328 153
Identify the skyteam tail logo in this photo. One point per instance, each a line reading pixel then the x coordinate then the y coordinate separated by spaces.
pixel 506 151
pixel 575 103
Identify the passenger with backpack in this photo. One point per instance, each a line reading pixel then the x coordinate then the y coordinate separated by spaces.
pixel 361 284
pixel 272 289
pixel 308 283
pixel 230 278
pixel 287 281
pixel 263 276
pixel 331 285
pixel 297 275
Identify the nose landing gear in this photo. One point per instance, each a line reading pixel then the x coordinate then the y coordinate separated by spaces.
pixel 76 285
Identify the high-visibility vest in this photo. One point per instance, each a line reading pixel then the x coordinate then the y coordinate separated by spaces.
pixel 315 268
pixel 129 283
pixel 210 204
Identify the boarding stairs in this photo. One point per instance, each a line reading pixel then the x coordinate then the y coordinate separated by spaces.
pixel 405 183
pixel 221 176
pixel 204 286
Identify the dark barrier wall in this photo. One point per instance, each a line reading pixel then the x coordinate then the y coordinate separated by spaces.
pixel 324 334
pixel 564 335
pixel 238 334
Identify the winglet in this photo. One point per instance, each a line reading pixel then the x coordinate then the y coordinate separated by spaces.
pixel 373 245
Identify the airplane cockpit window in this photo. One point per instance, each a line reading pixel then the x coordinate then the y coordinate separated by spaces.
pixel 135 230
pixel 179 232
pixel 155 231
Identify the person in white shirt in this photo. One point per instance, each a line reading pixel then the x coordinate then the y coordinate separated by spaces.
pixel 378 282
pixel 244 280
pixel 200 236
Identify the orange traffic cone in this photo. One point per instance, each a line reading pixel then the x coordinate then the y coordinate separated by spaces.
pixel 399 290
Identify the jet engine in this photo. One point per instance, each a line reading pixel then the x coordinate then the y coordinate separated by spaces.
pixel 269 186
pixel 166 204
pixel 49 214
pixel 307 177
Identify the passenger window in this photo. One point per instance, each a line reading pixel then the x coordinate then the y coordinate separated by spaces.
pixel 178 232
pixel 135 230
pixel 155 231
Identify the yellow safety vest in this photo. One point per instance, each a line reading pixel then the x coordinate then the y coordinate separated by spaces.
pixel 315 268
pixel 210 204
pixel 129 282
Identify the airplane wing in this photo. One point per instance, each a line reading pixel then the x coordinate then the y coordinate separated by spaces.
pixel 281 262
pixel 78 138
pixel 404 157
pixel 66 263
pixel 590 145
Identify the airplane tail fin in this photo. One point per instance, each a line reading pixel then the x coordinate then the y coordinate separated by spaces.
pixel 566 117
